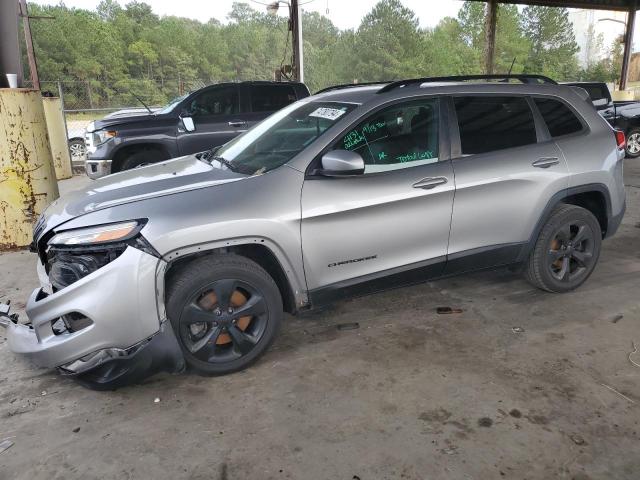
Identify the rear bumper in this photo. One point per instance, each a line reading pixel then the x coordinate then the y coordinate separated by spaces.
pixel 120 301
pixel 97 168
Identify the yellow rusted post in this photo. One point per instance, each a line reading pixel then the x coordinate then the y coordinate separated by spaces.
pixel 27 178
pixel 57 137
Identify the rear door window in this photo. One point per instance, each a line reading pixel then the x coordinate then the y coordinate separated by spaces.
pixel 490 123
pixel 270 98
pixel 559 118
pixel 215 101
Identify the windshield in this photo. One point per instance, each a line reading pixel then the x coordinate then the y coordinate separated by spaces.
pixel 280 137
pixel 172 104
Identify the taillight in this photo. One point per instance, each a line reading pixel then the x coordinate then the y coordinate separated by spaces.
pixel 620 140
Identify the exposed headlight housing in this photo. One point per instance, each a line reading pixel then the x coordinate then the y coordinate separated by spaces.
pixel 114 232
pixel 74 254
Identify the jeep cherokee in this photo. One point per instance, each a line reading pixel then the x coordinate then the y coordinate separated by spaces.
pixel 351 191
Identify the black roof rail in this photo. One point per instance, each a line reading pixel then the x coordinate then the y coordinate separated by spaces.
pixel 524 78
pixel 351 85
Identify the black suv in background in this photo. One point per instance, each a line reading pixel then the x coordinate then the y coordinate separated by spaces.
pixel 192 123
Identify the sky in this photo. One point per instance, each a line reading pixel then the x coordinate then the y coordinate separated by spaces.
pixel 343 13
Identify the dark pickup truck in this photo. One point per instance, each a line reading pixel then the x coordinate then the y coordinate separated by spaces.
pixel 192 123
pixel 624 116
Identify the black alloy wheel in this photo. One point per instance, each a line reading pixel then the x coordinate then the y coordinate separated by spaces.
pixel 571 251
pixel 223 321
pixel 225 310
pixel 566 251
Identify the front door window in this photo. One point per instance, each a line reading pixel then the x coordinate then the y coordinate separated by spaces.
pixel 400 136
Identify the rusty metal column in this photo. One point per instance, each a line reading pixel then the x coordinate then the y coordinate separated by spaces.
pixel 57 137
pixel 27 178
pixel 628 45
pixel 490 21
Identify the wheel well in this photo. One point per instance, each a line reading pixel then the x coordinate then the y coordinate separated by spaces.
pixel 122 154
pixel 260 254
pixel 593 201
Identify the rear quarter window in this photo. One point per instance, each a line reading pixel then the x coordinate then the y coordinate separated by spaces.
pixel 559 118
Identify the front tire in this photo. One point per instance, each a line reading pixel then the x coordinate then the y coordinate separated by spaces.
pixel 226 311
pixel 77 151
pixel 566 251
pixel 632 145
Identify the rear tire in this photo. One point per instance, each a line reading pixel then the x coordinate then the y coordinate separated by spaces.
pixel 566 251
pixel 632 145
pixel 142 158
pixel 225 310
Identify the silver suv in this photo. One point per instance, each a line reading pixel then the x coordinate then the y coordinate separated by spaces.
pixel 192 262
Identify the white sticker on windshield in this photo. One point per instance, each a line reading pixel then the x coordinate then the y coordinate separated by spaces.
pixel 328 113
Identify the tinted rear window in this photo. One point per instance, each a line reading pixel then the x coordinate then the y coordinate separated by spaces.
pixel 558 117
pixel 269 98
pixel 595 92
pixel 494 123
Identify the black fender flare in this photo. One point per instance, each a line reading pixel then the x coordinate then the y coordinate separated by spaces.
pixel 557 199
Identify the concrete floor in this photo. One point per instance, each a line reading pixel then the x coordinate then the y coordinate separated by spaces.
pixel 409 395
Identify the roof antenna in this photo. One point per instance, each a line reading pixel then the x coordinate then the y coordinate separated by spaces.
pixel 511 67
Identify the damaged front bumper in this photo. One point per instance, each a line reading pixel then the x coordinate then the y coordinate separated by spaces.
pixel 111 331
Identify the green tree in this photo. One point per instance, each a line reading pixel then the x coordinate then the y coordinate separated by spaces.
pixel 387 43
pixel 511 42
pixel 111 53
pixel 553 45
pixel 447 51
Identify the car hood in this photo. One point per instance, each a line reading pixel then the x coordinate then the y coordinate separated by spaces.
pixel 166 178
pixel 112 121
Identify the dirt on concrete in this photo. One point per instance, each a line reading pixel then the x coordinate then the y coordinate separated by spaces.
pixel 410 394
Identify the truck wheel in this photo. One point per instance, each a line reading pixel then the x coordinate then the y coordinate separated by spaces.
pixel 78 151
pixel 566 251
pixel 632 147
pixel 226 311
pixel 142 158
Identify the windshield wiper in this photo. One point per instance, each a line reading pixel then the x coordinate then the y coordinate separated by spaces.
pixel 209 156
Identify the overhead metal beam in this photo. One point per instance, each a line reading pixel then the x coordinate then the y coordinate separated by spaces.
pixel 616 5
pixel 628 45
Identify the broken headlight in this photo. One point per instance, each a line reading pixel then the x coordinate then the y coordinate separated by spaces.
pixel 74 254
pixel 95 235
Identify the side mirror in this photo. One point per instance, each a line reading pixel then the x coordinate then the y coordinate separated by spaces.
pixel 339 163
pixel 189 126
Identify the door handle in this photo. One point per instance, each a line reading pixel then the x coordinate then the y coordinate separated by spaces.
pixel 546 162
pixel 430 182
pixel 238 123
